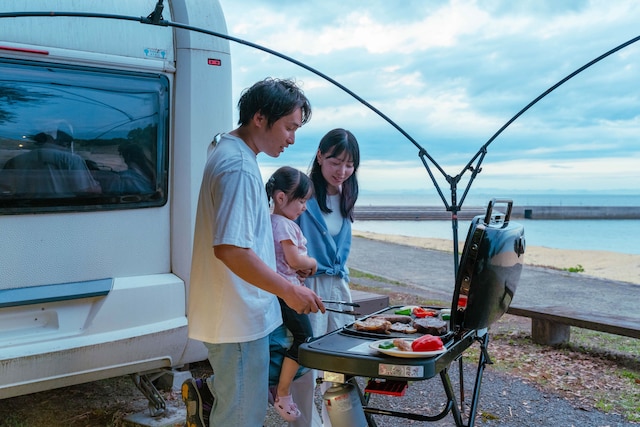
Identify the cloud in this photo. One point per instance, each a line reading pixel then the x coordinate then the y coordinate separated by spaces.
pixel 451 75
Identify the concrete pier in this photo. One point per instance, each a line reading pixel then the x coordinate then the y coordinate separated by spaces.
pixel 420 213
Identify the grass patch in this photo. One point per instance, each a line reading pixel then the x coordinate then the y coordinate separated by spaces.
pixel 577 269
pixel 357 274
pixel 607 345
pixel 401 296
pixel 13 421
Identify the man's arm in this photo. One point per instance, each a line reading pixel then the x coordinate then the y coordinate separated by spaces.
pixel 249 267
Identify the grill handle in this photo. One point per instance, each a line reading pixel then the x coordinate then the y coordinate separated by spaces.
pixel 492 203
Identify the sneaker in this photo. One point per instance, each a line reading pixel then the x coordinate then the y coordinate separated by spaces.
pixel 207 399
pixel 193 401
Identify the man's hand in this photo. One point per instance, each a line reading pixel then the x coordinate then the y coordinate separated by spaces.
pixel 303 300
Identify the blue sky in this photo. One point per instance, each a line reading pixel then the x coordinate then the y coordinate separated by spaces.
pixel 451 74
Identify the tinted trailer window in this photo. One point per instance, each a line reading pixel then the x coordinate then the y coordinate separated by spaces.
pixel 77 139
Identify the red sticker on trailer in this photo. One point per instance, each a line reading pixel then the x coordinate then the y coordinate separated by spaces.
pixel 216 62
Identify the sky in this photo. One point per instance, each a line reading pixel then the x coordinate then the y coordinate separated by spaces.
pixel 451 74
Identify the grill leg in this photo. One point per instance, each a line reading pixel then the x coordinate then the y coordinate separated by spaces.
pixel 451 396
pixel 482 362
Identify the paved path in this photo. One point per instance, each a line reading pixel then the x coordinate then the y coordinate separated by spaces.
pixel 431 272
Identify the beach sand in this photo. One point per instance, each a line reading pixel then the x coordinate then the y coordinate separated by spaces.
pixel 602 264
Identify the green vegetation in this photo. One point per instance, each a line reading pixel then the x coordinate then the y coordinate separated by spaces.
pixel 577 269
pixel 359 279
pixel 357 274
pixel 12 421
pixel 587 341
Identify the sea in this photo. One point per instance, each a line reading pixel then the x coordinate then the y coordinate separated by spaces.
pixel 584 234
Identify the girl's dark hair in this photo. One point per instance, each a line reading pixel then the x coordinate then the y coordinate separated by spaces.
pixel 333 144
pixel 273 98
pixel 295 184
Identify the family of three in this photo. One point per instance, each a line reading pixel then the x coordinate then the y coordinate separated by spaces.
pixel 254 267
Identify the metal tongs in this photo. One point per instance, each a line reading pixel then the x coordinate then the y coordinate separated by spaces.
pixel 351 304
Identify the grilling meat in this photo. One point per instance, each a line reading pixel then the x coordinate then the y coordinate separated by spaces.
pixel 430 325
pixel 373 324
pixel 405 328
pixel 394 318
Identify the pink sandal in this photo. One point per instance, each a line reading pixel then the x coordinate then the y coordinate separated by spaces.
pixel 287 409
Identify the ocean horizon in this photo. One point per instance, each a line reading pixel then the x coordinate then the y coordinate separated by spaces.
pixel 583 234
pixel 482 198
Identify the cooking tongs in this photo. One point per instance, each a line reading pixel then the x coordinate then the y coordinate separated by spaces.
pixel 351 304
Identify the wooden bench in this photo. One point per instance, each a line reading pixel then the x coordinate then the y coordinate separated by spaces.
pixel 551 325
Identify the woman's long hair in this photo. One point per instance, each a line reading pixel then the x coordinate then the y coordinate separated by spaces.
pixel 333 144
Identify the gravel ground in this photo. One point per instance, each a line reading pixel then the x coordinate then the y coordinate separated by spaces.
pixel 505 400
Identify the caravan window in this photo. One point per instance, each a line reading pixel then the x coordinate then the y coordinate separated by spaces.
pixel 76 138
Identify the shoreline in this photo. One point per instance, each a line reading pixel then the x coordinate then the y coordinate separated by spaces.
pixel 602 264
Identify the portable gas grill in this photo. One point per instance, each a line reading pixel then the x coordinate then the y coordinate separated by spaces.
pixel 485 284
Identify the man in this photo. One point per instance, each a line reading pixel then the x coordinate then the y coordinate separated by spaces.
pixel 51 169
pixel 232 303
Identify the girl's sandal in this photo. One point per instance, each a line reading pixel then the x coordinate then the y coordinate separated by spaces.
pixel 286 408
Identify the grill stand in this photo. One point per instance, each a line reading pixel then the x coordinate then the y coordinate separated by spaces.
pixel 319 356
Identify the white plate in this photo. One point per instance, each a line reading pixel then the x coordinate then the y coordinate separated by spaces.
pixel 406 354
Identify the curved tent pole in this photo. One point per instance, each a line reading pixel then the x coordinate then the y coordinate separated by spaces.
pixel 473 166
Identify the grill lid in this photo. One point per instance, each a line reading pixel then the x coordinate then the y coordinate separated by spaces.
pixel 489 269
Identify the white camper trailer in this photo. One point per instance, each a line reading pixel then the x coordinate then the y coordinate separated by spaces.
pixel 104 129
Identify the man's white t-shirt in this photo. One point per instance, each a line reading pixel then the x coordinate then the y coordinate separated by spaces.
pixel 232 210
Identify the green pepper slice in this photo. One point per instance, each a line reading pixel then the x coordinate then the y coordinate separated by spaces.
pixel 386 345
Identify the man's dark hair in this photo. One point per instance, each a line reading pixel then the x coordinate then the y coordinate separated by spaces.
pixel 273 98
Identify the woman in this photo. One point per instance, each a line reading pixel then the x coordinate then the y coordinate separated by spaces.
pixel 327 223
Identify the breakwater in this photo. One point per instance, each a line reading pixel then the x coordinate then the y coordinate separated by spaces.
pixel 420 213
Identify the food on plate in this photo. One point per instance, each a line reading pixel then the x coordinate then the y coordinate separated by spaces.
pixel 405 328
pixel 373 324
pixel 402 345
pixel 426 342
pixel 386 345
pixel 424 312
pixel 430 325
pixel 394 318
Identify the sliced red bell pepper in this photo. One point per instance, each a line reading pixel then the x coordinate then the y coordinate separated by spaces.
pixel 423 312
pixel 427 342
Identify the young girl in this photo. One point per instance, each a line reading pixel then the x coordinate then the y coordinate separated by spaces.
pixel 289 189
